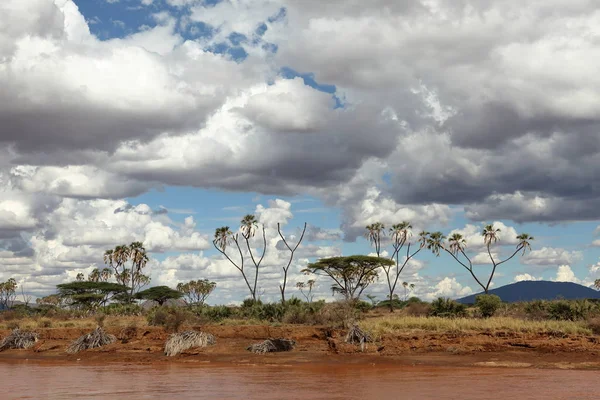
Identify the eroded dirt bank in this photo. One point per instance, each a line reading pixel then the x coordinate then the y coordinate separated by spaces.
pixel 322 345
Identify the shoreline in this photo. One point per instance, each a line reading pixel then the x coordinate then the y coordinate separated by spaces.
pixel 324 346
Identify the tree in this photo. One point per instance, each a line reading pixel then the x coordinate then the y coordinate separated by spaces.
pixel 8 292
pixel 139 259
pixel 457 244
pixel 597 284
pixel 224 237
pixel 351 275
pixel 292 251
pixel 308 285
pixel 90 295
pixel 196 292
pixel 405 285
pixel 159 294
pixel 401 234
pixel 375 232
pixel 117 260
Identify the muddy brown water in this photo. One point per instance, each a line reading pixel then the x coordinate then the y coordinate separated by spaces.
pixel 34 380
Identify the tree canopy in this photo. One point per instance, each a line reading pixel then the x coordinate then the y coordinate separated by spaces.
pixel 88 294
pixel 351 275
pixel 196 292
pixel 159 294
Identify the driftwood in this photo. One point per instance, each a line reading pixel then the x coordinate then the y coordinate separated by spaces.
pixel 96 338
pixel 19 340
pixel 357 335
pixel 272 345
pixel 179 342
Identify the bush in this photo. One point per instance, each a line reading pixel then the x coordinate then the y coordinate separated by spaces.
pixel 363 306
pixel 487 304
pixel 537 310
pixel 420 309
pixel 570 310
pixel 594 325
pixel 447 308
pixel 169 318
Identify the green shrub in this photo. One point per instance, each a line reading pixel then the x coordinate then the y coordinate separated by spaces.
pixel 570 310
pixel 447 308
pixel 363 306
pixel 537 309
pixel 487 304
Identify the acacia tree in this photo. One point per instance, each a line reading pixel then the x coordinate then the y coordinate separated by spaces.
pixel 351 275
pixel 90 295
pixel 224 237
pixel 196 292
pixel 457 244
pixel 292 251
pixel 159 294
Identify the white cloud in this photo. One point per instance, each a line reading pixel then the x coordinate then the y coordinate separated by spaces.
pixel 525 277
pixel 549 256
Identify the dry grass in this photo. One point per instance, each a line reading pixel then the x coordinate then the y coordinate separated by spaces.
pixel 92 340
pixel 179 342
pixel 19 340
pixel 406 324
pixel 80 323
pixel 272 346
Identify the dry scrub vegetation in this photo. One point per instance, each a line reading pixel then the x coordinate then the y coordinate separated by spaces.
pixel 405 324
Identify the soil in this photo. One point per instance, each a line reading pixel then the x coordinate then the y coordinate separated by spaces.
pixel 321 345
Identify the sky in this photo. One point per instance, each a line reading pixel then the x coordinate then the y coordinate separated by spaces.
pixel 162 120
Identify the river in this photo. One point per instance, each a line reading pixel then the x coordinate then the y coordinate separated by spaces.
pixel 31 380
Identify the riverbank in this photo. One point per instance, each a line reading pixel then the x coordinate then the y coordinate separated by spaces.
pixel 322 345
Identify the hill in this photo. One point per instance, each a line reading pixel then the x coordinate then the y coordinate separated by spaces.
pixel 539 290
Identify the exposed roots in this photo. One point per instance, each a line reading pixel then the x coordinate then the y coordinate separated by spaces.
pixel 357 335
pixel 272 345
pixel 19 340
pixel 179 342
pixel 97 338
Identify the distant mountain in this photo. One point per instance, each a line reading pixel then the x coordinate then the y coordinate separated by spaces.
pixel 539 290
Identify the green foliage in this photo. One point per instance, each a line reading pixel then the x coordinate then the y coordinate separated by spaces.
pixel 448 308
pixel 487 304
pixel 89 295
pixel 159 294
pixel 7 293
pixel 196 292
pixel 351 275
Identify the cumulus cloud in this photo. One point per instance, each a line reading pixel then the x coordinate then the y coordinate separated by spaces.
pixel 430 109
pixel 549 256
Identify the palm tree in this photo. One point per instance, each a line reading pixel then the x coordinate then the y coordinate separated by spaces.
pixel 435 242
pixel 105 274
pixel 411 287
pixel 139 259
pixel 248 226
pixel 108 258
pixel 456 243
pixel 423 238
pixel 222 237
pixel 490 234
pixel 524 241
pixel 405 285
pixel 374 233
pixel 400 233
